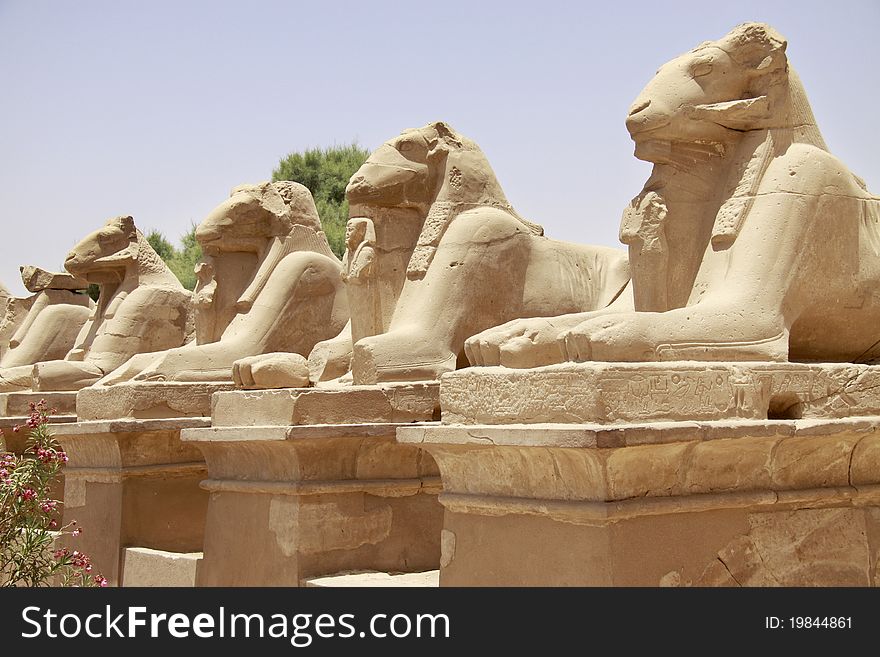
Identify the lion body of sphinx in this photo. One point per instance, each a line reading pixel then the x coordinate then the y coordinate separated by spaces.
pixel 749 241
pixel 268 283
pixel 473 262
pixel 142 307
pixel 44 325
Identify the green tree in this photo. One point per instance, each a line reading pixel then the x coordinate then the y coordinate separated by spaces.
pixel 326 172
pixel 180 261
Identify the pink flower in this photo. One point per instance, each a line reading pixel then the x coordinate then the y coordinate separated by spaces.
pixel 100 580
pixel 76 532
pixel 47 506
pixel 53 524
pixel 28 494
pixel 81 560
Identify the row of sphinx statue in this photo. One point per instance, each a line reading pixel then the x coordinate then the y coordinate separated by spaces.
pixel 748 242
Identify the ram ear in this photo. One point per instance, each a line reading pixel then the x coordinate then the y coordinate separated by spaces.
pixel 746 114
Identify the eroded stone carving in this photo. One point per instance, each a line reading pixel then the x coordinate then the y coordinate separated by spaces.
pixel 142 307
pixel 43 326
pixel 797 548
pixel 750 238
pixel 269 283
pixel 610 393
pixel 13 309
pixel 474 263
pixel 36 279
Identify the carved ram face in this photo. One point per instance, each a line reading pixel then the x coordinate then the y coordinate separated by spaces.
pixel 108 249
pixel 403 172
pixel 711 92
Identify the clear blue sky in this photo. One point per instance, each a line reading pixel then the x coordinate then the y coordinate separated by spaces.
pixel 157 109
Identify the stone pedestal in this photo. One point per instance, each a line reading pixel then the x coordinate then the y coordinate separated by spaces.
pixel 320 488
pixel 148 567
pixel 658 501
pixel 132 483
pixel 14 404
pixel 147 400
pixel 389 402
pixel 609 393
pixel 792 503
pixel 129 472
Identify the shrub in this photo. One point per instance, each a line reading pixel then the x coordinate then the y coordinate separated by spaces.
pixel 29 517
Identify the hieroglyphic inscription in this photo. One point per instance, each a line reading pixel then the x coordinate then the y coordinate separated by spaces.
pixel 695 394
pixel 603 393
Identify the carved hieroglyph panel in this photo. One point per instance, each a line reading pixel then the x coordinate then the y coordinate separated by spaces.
pixel 627 392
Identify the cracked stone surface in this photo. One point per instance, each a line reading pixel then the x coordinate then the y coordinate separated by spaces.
pixel 613 393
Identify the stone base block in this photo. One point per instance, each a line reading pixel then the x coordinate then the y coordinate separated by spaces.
pixel 147 567
pixel 132 483
pixel 731 503
pixel 14 404
pixel 147 400
pixel 291 503
pixel 392 402
pixel 427 579
pixel 641 392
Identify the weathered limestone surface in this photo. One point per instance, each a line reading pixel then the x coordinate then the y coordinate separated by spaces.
pixel 148 567
pixel 275 370
pixel 147 399
pixel 389 402
pixel 436 253
pixel 36 279
pixel 12 312
pixel 268 282
pixel 17 404
pixel 43 326
pixel 142 307
pixel 753 503
pixel 288 503
pixel 430 578
pixel 659 392
pixel 132 483
pixel 749 241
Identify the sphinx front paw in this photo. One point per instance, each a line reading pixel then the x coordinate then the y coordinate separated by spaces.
pixel 610 339
pixel 399 357
pixel 521 343
pixel 276 370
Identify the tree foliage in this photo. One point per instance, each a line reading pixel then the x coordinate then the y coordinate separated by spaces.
pixel 181 261
pixel 326 172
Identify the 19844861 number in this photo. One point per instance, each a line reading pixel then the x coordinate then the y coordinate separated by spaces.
pixel 808 622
